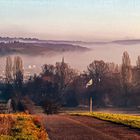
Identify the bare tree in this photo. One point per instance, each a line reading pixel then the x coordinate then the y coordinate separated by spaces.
pixel 138 62
pixel 8 70
pixel 97 71
pixel 48 70
pixel 117 68
pixel 61 73
pixel 111 67
pixel 126 73
pixel 18 71
pixel 65 74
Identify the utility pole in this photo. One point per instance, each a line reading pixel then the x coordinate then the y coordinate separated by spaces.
pixel 91 104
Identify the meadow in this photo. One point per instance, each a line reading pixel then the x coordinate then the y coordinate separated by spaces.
pixel 21 126
pixel 124 119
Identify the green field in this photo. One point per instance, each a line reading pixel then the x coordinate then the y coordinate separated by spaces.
pixel 128 120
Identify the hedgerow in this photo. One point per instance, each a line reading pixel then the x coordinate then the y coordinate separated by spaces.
pixel 21 127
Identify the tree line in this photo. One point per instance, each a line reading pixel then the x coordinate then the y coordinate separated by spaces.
pixel 60 85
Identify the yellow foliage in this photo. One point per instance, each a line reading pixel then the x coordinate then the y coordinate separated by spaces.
pixel 23 126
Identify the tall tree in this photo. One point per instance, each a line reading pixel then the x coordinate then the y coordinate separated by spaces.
pixel 8 70
pixel 18 72
pixel 111 67
pixel 65 74
pixel 138 62
pixel 126 73
pixel 97 70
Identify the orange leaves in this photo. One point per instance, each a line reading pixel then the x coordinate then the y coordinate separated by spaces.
pixel 22 126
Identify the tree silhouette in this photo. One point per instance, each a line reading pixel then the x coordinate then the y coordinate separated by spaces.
pixel 97 70
pixel 138 62
pixel 18 72
pixel 64 75
pixel 126 73
pixel 8 70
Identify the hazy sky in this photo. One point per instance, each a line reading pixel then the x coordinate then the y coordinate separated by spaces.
pixel 70 19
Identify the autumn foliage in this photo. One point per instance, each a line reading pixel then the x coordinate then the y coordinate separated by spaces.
pixel 21 126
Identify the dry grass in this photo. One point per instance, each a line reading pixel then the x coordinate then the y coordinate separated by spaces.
pixel 6 123
pixel 21 126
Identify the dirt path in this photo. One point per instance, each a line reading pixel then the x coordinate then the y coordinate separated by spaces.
pixel 65 127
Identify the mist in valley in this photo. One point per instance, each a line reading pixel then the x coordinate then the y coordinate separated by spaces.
pixel 79 60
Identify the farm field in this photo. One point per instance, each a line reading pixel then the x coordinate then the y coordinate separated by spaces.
pixel 72 126
pixel 21 126
pixel 125 119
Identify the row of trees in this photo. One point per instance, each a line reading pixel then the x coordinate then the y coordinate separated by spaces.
pixel 14 71
pixel 49 88
pixel 13 82
pixel 60 85
pixel 121 82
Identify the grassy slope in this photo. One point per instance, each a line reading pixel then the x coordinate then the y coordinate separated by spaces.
pixel 21 126
pixel 128 120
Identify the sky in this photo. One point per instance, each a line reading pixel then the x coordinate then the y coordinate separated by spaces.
pixel 87 20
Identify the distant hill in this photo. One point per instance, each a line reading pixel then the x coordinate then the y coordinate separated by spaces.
pixel 33 48
pixel 127 42
pixel 35 40
pixel 20 39
pixel 82 43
